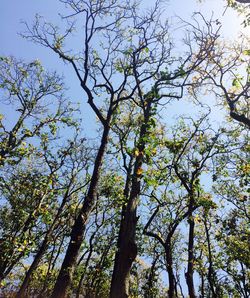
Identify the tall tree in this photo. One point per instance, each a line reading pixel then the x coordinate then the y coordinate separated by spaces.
pixel 27 89
pixel 98 75
pixel 167 85
pixel 226 74
pixel 71 162
pixel 37 102
pixel 190 154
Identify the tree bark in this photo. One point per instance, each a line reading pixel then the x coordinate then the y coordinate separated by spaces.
pixel 243 1
pixel 171 277
pixel 240 118
pixel 126 246
pixel 32 268
pixel 150 282
pixel 116 279
pixel 65 275
pixel 42 249
pixel 190 270
pixel 127 250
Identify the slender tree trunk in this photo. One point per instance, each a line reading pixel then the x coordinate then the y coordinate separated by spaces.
pixel 171 277
pixel 211 273
pixel 65 275
pixel 150 282
pixel 240 118
pixel 5 265
pixel 122 224
pixel 32 268
pixel 42 249
pixel 126 246
pixel 243 1
pixel 202 286
pixel 190 270
pixel 127 250
pixel 95 283
pixel 78 292
pixel 6 268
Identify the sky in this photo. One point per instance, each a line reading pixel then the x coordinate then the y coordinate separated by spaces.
pixel 13 12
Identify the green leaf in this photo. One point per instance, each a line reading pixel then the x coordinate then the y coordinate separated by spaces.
pixel 236 82
pixel 246 52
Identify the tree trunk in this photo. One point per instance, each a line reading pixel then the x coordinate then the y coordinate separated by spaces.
pixel 243 1
pixel 150 281
pixel 32 268
pixel 240 118
pixel 212 279
pixel 127 250
pixel 42 249
pixel 171 277
pixel 126 246
pixel 121 235
pixel 79 287
pixel 65 275
pixel 190 271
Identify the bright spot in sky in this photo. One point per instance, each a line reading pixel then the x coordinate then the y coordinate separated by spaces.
pixel 217 9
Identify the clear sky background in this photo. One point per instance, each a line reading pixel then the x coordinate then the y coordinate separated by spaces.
pixel 12 12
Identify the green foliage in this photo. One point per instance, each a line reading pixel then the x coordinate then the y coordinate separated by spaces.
pixel 183 172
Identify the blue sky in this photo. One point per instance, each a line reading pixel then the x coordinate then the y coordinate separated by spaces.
pixel 12 12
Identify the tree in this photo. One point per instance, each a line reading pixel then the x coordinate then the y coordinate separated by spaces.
pixel 106 217
pixel 226 74
pixel 189 160
pixel 95 72
pixel 70 163
pixel 232 233
pixel 168 85
pixel 28 89
pixel 134 61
